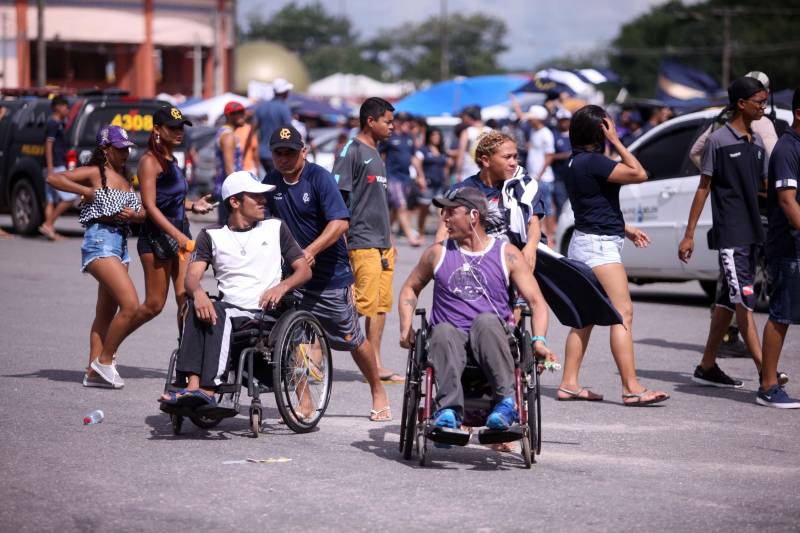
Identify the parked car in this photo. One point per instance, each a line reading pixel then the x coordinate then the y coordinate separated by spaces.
pixel 660 206
pixel 22 139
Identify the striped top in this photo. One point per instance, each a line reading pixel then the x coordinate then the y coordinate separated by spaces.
pixel 108 203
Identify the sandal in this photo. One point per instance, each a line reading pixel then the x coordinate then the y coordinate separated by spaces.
pixel 195 398
pixel 575 396
pixel 375 416
pixel 392 377
pixel 171 397
pixel 657 398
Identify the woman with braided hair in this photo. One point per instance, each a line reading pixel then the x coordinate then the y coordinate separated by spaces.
pixel 109 206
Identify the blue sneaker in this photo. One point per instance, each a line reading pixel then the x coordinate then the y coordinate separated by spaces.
pixel 503 415
pixel 446 418
pixel 776 397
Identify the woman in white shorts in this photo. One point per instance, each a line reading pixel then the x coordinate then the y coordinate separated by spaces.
pixel 593 182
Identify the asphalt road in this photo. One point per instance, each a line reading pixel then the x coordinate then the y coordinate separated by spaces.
pixel 707 460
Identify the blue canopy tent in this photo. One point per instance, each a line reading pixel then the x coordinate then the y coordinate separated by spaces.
pixel 450 97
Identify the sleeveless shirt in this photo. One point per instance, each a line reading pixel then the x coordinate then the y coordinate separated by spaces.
pixel 466 284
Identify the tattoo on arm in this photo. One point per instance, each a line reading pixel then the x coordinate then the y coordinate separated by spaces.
pixel 411 302
pixel 511 259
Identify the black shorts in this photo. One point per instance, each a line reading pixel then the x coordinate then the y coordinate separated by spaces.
pixel 738 267
pixel 149 228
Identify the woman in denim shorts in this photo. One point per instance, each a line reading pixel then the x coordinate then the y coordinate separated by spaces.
pixel 593 182
pixel 109 206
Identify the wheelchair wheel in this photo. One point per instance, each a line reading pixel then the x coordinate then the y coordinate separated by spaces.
pixel 534 399
pixel 527 454
pixel 255 420
pixel 177 423
pixel 205 422
pixel 411 396
pixel 302 371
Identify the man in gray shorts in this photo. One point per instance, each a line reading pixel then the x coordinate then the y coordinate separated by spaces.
pixel 307 199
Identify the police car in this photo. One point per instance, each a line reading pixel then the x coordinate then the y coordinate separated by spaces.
pixel 660 207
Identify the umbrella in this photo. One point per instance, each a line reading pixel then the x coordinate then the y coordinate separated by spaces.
pixel 450 97
pixel 212 107
pixel 572 291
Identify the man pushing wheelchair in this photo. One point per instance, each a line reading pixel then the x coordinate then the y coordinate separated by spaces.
pixel 471 314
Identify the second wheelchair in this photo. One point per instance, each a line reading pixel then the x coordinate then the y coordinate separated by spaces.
pixel 417 427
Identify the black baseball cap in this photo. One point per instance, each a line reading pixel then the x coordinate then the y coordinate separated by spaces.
pixel 469 197
pixel 743 88
pixel 286 137
pixel 169 116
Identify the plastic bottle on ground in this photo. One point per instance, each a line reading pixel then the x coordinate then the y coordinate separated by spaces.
pixel 95 417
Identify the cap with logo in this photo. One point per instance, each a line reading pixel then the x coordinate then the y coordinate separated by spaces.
pixel 169 116
pixel 242 181
pixel 113 136
pixel 468 197
pixel 280 86
pixel 742 89
pixel 286 136
pixel 232 107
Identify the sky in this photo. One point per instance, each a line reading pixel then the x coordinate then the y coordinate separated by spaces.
pixel 538 30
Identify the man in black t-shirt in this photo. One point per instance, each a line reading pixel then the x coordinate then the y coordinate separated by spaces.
pixel 55 152
pixel 733 170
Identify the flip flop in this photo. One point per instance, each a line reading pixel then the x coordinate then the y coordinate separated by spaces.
pixel 394 377
pixel 374 415
pixel 659 397
pixel 195 398
pixel 173 395
pixel 575 396
pixel 47 232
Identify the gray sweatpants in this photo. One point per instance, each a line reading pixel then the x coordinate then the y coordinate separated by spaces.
pixel 489 347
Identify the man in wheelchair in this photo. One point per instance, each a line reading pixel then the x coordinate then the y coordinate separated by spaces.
pixel 247 256
pixel 471 312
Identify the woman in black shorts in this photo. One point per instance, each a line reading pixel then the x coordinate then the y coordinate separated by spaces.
pixel 166 230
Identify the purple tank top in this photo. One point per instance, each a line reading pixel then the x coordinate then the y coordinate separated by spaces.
pixel 466 284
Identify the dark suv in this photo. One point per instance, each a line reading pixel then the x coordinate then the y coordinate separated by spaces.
pixel 22 138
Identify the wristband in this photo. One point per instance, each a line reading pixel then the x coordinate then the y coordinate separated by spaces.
pixel 538 338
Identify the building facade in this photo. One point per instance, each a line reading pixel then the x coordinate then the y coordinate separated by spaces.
pixel 144 46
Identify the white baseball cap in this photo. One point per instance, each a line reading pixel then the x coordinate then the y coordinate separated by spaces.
pixel 563 114
pixel 281 86
pixel 537 112
pixel 760 76
pixel 242 181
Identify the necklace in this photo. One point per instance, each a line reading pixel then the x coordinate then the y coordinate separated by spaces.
pixel 242 247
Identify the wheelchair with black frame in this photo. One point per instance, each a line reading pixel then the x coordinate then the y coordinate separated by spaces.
pixel 282 350
pixel 416 425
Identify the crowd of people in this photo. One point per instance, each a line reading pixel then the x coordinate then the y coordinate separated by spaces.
pixel 333 233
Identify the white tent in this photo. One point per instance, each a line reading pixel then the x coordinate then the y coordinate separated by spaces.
pixel 357 86
pixel 213 107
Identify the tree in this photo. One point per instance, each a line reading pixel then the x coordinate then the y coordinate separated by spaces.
pixel 762 37
pixel 414 51
pixel 326 43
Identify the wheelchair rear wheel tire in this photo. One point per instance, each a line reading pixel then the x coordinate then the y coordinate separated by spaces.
pixel 408 422
pixel 527 453
pixel 534 400
pixel 296 365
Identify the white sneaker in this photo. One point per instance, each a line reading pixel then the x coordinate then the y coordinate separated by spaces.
pixel 108 373
pixel 95 381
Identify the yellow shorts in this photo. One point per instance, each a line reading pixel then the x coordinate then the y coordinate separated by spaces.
pixel 373 286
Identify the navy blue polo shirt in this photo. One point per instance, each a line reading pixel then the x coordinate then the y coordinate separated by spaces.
pixel 594 199
pixel 399 150
pixel 306 207
pixel 737 167
pixel 783 240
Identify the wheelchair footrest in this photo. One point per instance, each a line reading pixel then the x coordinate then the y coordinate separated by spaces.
pixel 497 436
pixel 204 411
pixel 456 437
